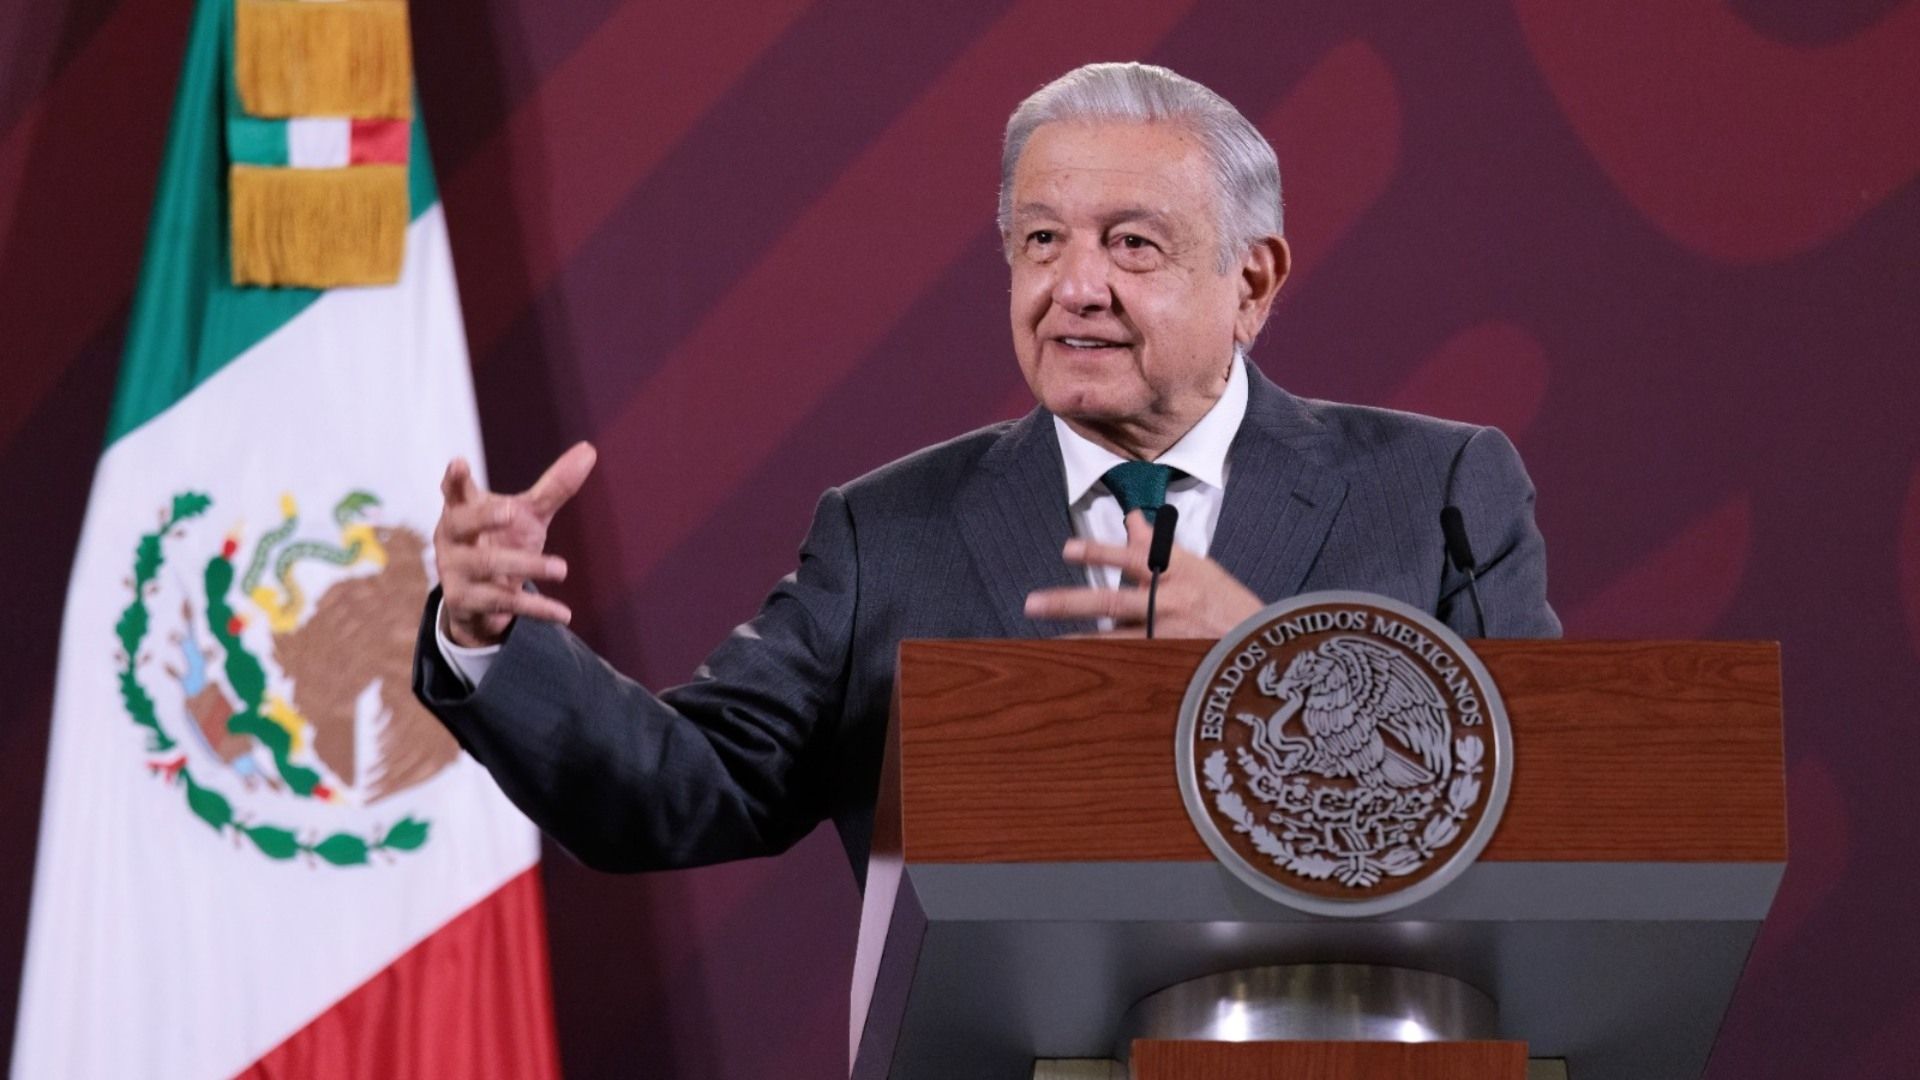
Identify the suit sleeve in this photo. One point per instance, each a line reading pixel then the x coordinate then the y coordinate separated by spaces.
pixel 724 767
pixel 1490 486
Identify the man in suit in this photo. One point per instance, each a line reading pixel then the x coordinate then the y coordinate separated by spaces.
pixel 1141 218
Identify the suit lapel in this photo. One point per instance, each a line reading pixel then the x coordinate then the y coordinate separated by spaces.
pixel 1281 501
pixel 1013 517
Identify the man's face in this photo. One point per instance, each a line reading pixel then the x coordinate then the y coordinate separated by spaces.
pixel 1122 320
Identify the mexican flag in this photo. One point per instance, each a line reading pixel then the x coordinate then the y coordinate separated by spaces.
pixel 258 854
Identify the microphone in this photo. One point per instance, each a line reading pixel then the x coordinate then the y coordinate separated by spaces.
pixel 1159 552
pixel 1453 526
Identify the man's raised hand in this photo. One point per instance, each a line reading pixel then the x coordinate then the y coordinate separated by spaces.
pixel 1198 597
pixel 487 546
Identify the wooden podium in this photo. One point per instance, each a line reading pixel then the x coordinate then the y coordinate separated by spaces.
pixel 1034 872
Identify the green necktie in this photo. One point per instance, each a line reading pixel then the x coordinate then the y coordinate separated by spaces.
pixel 1140 485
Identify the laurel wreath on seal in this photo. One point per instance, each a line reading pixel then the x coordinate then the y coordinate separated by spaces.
pixel 1360 869
pixel 274 841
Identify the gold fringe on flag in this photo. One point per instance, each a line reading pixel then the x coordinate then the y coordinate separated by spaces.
pixel 318 228
pixel 323 58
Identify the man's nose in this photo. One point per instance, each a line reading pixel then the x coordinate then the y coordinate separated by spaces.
pixel 1082 286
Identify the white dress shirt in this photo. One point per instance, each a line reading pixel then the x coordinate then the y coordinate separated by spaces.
pixel 470 664
pixel 1201 453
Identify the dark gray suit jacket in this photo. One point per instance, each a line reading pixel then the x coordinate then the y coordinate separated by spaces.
pixel 784 724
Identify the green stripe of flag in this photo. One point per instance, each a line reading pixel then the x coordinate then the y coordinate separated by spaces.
pixel 189 320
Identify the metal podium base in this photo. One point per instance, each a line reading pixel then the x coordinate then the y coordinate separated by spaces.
pixel 1105 1069
pixel 1332 1002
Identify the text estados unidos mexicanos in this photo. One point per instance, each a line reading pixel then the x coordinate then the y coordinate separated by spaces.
pixel 1446 667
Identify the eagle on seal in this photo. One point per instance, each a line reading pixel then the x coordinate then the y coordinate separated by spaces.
pixel 1346 692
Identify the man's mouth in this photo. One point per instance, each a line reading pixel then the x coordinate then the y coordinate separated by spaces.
pixel 1089 343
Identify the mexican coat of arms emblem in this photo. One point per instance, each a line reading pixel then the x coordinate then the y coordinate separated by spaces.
pixel 1344 754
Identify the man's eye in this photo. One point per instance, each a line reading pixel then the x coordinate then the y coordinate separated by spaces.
pixel 1040 236
pixel 1131 251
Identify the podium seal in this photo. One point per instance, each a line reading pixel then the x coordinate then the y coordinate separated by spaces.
pixel 1344 754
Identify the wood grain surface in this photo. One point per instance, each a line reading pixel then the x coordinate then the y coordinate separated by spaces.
pixel 1170 1060
pixel 1063 751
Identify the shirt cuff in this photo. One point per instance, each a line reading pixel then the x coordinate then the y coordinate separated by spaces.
pixel 470 664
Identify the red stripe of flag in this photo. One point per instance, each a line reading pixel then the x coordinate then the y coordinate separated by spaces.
pixel 471 1001
pixel 379 142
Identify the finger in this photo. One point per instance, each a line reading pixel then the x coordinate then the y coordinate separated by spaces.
pixel 1120 605
pixel 467 521
pixel 458 486
pixel 1140 544
pixel 1094 553
pixel 488 563
pixel 1139 531
pixel 1118 631
pixel 562 479
pixel 1131 561
pixel 484 599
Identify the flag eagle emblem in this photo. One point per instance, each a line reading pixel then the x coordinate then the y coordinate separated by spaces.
pixel 270 677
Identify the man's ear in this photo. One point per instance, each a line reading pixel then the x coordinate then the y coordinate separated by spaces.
pixel 1262 271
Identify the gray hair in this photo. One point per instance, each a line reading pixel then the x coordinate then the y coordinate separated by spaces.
pixel 1244 167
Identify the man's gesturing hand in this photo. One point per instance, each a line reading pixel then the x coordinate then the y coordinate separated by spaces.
pixel 488 545
pixel 1198 598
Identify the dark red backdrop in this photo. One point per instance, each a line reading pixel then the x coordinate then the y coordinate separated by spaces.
pixel 748 249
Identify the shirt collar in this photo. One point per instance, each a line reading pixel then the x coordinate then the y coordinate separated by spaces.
pixel 1201 453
